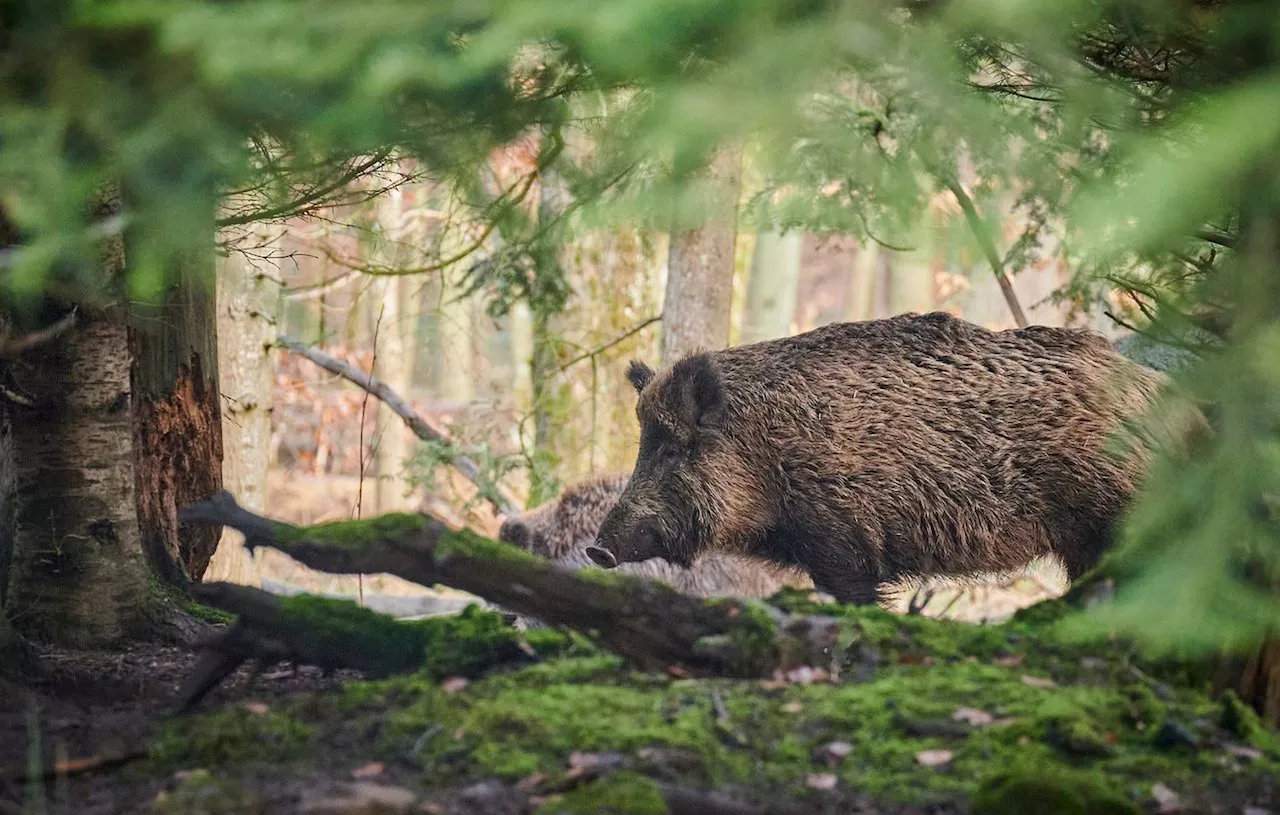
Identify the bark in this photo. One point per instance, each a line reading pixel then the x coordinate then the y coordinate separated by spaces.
pixel 248 309
pixel 79 572
pixel 177 419
pixel 646 623
pixel 771 290
pixel 695 310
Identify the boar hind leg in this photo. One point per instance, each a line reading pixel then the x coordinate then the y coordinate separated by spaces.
pixel 1081 553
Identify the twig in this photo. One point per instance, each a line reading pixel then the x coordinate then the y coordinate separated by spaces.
pixel 18 345
pixel 988 246
pixel 1216 237
pixel 600 349
pixel 502 500
pixel 76 766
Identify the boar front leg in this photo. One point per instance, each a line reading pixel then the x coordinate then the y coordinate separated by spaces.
pixel 848 587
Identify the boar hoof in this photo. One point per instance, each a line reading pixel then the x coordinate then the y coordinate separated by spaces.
pixel 602 557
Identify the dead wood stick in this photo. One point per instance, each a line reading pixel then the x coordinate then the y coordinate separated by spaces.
pixel 988 246
pixel 501 499
pixel 14 346
pixel 647 623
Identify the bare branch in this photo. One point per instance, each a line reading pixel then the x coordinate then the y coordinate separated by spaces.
pixel 988 245
pixel 11 348
pixel 600 349
pixel 501 499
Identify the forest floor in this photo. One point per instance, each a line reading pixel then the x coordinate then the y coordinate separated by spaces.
pixel 925 716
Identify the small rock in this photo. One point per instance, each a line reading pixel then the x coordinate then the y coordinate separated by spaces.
pixel 977 718
pixel 821 781
pixel 1038 682
pixel 453 684
pixel 934 758
pixel 369 770
pixel 1173 734
pixel 832 752
pixel 1166 799
pixel 1243 751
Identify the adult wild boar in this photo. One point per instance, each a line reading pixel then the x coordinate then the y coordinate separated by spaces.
pixel 872 451
pixel 563 529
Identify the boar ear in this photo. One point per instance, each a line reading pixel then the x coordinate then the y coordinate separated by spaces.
pixel 639 374
pixel 699 391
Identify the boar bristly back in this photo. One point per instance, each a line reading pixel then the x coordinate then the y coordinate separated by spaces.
pixel 866 452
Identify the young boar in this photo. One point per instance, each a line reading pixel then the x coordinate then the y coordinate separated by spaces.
pixel 562 531
pixel 868 452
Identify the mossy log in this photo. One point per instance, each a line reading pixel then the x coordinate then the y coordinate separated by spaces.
pixel 649 624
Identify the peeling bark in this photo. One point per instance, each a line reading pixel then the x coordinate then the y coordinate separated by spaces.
pixel 177 422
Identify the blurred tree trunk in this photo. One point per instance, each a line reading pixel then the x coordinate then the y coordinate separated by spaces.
pixel 79 570
pixel 394 366
pixel 863 275
pixel 249 305
pixel 772 287
pixel 695 309
pixel 911 285
pixel 177 418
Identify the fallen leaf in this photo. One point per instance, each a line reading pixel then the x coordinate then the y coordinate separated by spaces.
pixel 1166 799
pixel 530 782
pixel 821 781
pixel 977 718
pixel 369 770
pixel 1038 682
pixel 934 758
pixel 1009 660
pixel 832 752
pixel 453 684
pixel 257 708
pixel 792 707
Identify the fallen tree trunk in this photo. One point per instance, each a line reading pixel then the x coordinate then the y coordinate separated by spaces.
pixel 649 624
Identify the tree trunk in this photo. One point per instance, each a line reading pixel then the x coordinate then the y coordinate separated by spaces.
pixel 771 291
pixel 862 281
pixel 177 419
pixel 911 286
pixel 695 309
pixel 248 312
pixel 393 365
pixel 79 572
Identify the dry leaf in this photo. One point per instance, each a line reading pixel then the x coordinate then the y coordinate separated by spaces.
pixel 1009 661
pixel 832 752
pixel 977 718
pixel 1166 799
pixel 369 770
pixel 821 781
pixel 934 758
pixel 792 707
pixel 453 684
pixel 530 782
pixel 257 708
pixel 1038 682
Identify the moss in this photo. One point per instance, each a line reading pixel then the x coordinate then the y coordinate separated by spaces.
pixel 1239 719
pixel 465 542
pixel 390 527
pixel 202 794
pixel 1054 791
pixel 752 643
pixel 232 736
pixel 622 793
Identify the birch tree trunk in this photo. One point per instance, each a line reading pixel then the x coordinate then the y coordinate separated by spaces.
pixel 695 309
pixel 393 365
pixel 862 281
pixel 772 287
pixel 249 307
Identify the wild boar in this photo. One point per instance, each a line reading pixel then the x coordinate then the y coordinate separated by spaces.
pixel 870 452
pixel 563 529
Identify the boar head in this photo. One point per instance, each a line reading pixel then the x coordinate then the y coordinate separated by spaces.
pixel 668 507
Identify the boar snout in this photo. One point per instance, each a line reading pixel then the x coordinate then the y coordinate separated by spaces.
pixel 602 557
